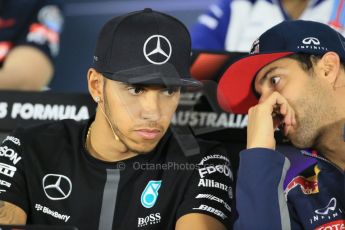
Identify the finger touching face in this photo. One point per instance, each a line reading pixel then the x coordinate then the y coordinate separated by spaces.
pixel 299 99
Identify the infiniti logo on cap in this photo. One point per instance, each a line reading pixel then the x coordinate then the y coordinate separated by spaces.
pixel 56 186
pixel 311 40
pixel 311 43
pixel 161 52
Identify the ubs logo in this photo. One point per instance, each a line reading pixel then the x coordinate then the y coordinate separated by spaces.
pixel 56 186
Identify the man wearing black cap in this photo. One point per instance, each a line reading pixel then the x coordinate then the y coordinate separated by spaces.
pixel 293 80
pixel 124 168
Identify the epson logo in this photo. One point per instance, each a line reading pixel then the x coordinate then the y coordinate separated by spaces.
pixel 223 169
pixel 10 154
pixel 153 218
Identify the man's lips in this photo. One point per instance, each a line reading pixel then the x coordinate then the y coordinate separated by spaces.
pixel 149 134
pixel 278 121
pixel 286 129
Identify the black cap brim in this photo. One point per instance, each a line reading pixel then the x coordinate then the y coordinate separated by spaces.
pixel 154 75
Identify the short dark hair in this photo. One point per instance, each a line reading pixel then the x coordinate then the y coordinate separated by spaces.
pixel 307 61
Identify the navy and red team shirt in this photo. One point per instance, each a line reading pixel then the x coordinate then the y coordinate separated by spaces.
pixel 46 171
pixel 35 23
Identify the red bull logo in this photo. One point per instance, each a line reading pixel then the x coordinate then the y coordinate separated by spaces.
pixel 307 186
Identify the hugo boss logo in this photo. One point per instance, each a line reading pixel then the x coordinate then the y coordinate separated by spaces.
pixel 150 194
pixel 157 49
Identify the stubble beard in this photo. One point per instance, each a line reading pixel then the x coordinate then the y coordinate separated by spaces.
pixel 311 114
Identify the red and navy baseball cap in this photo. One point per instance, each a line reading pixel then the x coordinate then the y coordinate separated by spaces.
pixel 145 47
pixel 235 91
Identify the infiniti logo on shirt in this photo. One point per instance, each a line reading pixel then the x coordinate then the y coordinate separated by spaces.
pixel 332 204
pixel 56 186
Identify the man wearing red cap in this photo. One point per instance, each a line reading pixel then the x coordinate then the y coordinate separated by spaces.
pixel 294 80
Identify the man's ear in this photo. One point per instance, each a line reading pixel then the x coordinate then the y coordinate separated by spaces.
pixel 330 66
pixel 95 84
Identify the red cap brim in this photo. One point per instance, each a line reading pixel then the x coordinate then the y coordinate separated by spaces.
pixel 235 93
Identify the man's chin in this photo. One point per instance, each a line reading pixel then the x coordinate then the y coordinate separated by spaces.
pixel 143 149
pixel 139 146
pixel 300 144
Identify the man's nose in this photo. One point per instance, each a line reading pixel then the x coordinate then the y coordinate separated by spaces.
pixel 265 93
pixel 151 107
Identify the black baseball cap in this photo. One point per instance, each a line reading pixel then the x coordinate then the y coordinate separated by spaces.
pixel 235 91
pixel 145 47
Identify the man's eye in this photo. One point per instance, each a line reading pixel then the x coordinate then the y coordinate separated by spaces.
pixel 275 80
pixel 135 90
pixel 170 91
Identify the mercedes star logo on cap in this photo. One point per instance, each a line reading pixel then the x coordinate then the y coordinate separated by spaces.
pixel 56 186
pixel 158 40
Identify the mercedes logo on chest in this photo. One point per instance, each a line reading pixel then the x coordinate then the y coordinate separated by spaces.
pixel 157 49
pixel 56 186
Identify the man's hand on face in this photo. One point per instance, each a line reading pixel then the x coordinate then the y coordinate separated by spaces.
pixel 265 117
